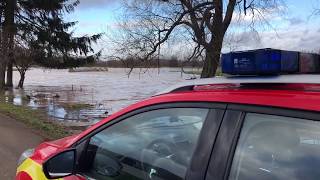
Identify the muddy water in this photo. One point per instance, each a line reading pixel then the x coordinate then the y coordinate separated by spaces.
pixel 102 92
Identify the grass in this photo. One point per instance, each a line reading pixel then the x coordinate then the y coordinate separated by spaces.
pixel 71 106
pixel 35 119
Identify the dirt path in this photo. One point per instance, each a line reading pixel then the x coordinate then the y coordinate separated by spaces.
pixel 15 137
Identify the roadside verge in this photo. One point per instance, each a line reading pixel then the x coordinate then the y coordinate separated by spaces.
pixel 35 119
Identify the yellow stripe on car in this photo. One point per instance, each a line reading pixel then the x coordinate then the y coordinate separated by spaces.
pixel 33 169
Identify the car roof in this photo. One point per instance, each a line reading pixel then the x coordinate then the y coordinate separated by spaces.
pixel 286 91
pixel 245 80
pixel 302 100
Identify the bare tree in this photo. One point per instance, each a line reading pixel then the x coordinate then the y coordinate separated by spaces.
pixel 148 25
pixel 24 59
pixel 316 9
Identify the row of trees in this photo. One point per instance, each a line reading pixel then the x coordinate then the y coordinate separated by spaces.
pixel 149 25
pixel 34 32
pixel 154 63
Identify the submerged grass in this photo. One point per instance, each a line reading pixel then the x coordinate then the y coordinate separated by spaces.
pixel 73 106
pixel 35 119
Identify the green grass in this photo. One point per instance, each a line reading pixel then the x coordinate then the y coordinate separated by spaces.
pixel 72 106
pixel 35 119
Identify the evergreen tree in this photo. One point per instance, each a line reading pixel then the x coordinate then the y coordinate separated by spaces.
pixel 39 24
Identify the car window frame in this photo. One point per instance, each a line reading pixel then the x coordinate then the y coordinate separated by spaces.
pixel 227 139
pixel 197 169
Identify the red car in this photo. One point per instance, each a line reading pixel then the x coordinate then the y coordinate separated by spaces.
pixel 220 128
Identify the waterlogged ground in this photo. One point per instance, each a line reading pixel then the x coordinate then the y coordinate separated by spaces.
pixel 82 98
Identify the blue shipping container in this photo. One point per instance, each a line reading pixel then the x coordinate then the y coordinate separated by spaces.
pixel 227 63
pixel 261 61
pixel 289 61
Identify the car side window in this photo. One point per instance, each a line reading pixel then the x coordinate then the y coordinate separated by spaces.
pixel 155 145
pixel 277 148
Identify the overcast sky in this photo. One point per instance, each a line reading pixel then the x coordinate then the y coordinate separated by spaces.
pixel 297 29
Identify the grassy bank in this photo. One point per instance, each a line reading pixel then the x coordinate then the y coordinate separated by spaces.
pixel 35 119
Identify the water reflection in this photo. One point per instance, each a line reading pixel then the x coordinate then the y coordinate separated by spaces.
pixel 50 102
pixel 104 92
pixel 17 101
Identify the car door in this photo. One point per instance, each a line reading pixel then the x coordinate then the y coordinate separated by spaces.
pixel 267 144
pixel 167 141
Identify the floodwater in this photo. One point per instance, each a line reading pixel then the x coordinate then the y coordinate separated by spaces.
pixel 103 92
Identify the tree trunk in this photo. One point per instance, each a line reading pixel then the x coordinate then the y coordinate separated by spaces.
pixel 211 61
pixel 11 30
pixel 10 59
pixel 21 81
pixel 2 74
pixel 7 41
pixel 9 82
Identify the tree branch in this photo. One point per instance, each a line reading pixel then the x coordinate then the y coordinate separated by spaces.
pixel 229 14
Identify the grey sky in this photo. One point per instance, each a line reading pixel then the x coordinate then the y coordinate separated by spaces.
pixel 294 30
pixel 294 38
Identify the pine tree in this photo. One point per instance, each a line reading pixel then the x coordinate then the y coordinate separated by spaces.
pixel 39 24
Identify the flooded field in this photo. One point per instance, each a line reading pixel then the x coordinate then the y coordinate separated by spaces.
pixel 83 98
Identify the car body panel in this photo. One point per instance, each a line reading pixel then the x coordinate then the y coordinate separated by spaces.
pixel 291 99
pixel 45 150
